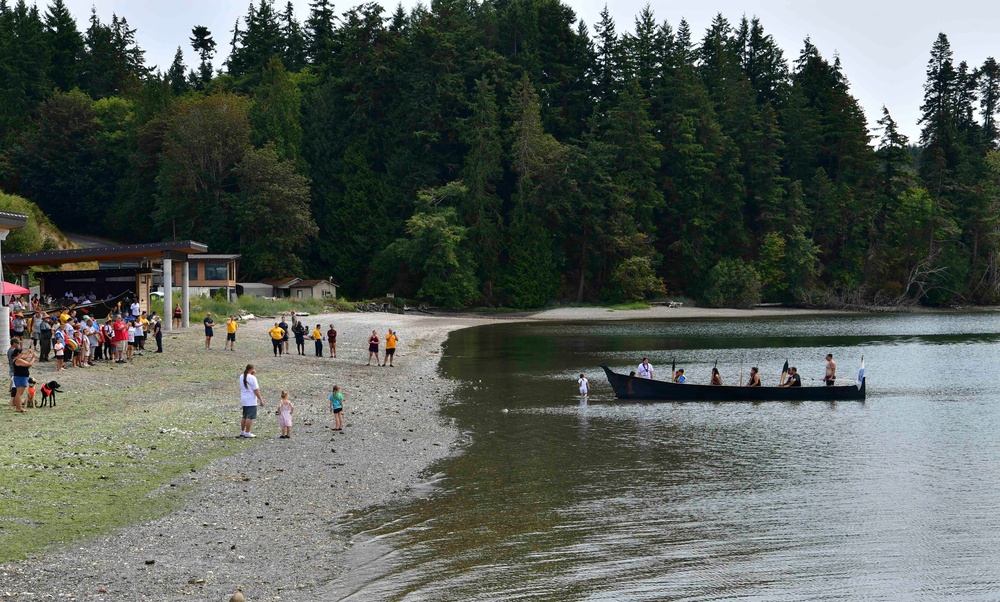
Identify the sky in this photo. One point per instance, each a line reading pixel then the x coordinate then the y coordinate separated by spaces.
pixel 883 45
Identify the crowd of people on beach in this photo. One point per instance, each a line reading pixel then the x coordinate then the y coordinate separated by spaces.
pixel 73 338
pixel 281 334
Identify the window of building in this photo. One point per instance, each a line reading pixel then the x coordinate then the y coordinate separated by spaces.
pixel 217 271
pixel 192 270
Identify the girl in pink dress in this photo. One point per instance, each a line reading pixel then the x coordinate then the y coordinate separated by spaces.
pixel 285 410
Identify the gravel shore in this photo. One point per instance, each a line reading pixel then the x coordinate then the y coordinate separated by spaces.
pixel 265 519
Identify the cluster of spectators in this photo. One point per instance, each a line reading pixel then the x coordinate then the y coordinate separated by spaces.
pixel 279 334
pixel 75 339
pixel 37 304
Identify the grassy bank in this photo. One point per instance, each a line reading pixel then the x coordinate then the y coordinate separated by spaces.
pixel 103 457
pixel 259 306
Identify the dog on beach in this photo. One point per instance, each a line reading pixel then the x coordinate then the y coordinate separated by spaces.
pixel 49 391
pixel 29 393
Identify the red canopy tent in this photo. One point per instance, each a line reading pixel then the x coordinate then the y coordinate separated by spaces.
pixel 13 289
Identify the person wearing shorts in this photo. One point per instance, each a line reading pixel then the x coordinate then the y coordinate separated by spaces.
pixel 390 348
pixel 231 327
pixel 250 398
pixel 208 330
pixel 373 348
pixel 121 339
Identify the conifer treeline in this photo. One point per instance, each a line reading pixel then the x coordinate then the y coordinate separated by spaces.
pixel 499 153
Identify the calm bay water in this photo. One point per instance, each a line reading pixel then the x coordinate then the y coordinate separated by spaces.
pixel 895 498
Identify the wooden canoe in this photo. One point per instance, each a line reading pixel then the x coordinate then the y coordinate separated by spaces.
pixel 642 389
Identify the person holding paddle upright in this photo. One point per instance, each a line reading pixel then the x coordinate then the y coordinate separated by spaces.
pixel 831 371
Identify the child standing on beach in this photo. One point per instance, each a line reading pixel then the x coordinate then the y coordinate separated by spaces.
pixel 337 407
pixel 285 410
pixel 584 387
pixel 59 347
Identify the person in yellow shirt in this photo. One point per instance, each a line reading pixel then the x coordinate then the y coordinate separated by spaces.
pixel 277 338
pixel 231 327
pixel 390 347
pixel 64 316
pixel 317 336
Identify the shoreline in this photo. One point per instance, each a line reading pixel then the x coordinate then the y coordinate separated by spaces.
pixel 253 512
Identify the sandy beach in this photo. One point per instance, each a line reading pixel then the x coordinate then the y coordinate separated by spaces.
pixel 264 517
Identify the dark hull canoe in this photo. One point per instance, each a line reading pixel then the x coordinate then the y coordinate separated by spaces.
pixel 642 389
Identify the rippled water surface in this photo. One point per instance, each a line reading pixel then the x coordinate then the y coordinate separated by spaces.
pixel 895 498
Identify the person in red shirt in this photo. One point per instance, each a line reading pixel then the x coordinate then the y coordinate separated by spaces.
pixel 331 338
pixel 121 339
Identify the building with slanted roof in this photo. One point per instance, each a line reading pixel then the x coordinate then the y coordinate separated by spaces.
pixel 296 288
pixel 144 254
pixel 316 289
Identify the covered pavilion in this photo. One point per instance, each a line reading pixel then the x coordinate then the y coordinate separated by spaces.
pixel 167 252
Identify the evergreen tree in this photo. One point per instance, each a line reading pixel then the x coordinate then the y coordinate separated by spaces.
pixel 175 75
pixel 320 27
pixel 482 171
pixel 66 45
pixel 204 45
pixel 24 80
pixel 112 58
pixel 295 42
pixel 939 134
pixel 531 278
pixel 643 49
pixel 989 98
pixel 261 40
pixel 609 67
pixel 276 112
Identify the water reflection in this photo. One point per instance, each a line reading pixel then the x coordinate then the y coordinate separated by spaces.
pixel 892 499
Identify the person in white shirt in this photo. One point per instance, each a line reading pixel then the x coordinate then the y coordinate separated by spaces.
pixel 136 310
pixel 645 369
pixel 90 331
pixel 584 387
pixel 250 398
pixel 131 342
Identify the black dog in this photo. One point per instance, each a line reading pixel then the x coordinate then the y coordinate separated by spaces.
pixel 49 391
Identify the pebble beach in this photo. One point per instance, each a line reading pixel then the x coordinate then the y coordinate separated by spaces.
pixel 265 517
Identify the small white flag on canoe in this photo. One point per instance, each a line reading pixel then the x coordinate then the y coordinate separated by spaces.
pixel 861 372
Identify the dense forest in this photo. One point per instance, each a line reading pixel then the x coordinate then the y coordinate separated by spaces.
pixel 503 153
